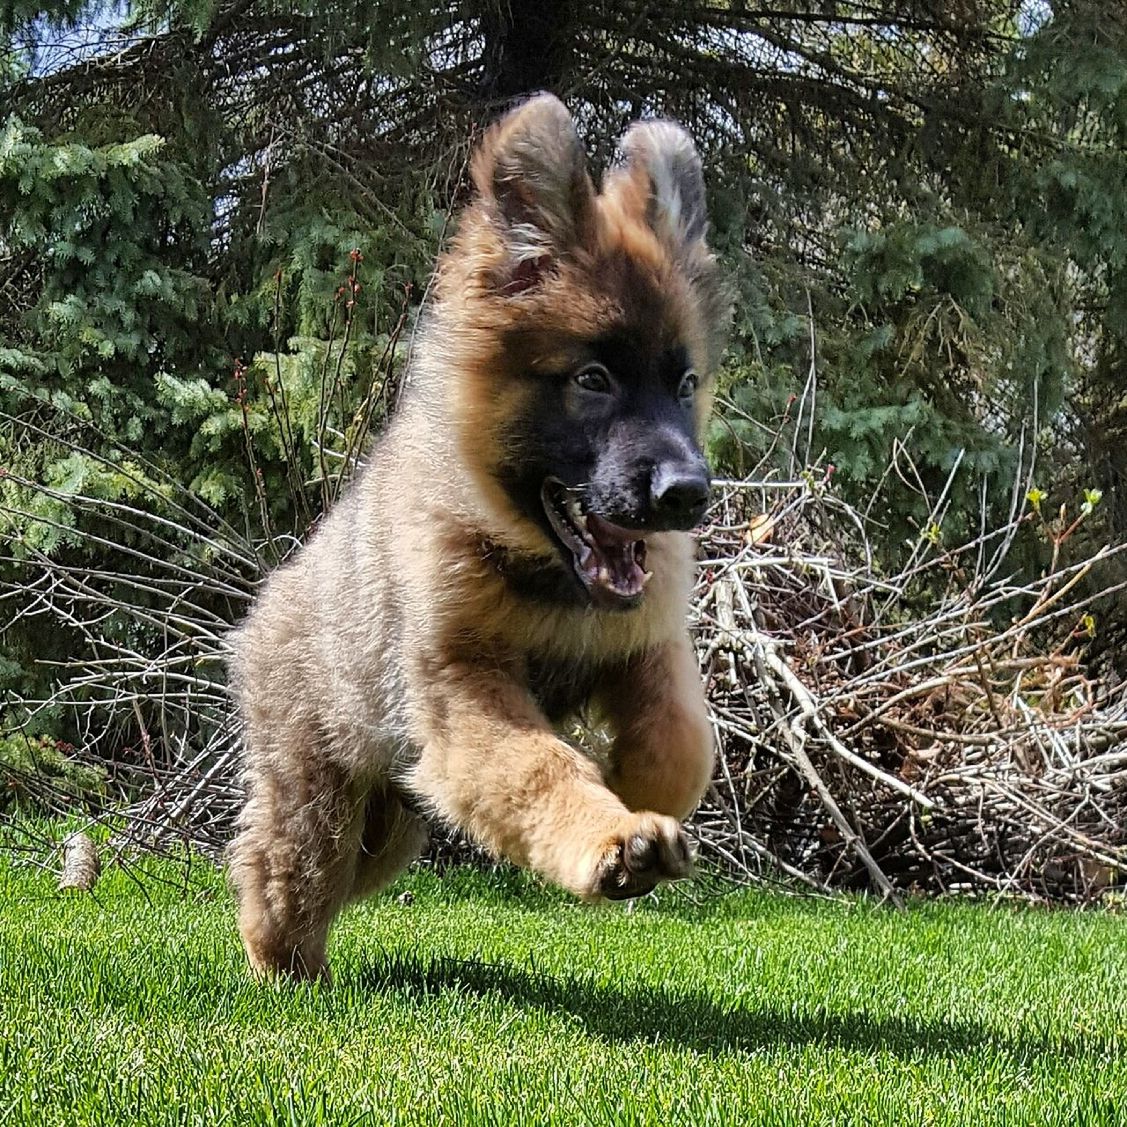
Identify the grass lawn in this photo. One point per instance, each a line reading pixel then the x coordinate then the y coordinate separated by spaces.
pixel 490 1000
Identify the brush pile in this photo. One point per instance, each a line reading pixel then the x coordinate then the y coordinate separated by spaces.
pixel 875 738
pixel 938 730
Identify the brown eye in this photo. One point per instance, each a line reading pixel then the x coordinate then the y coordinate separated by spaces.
pixel 688 386
pixel 593 378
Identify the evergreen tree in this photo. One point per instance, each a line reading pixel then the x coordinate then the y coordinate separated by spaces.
pixel 217 218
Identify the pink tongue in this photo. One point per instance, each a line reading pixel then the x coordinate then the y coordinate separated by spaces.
pixel 616 554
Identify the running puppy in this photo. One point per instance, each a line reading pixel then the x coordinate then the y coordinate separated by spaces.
pixel 517 548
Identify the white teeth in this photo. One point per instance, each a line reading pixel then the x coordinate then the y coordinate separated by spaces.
pixel 646 577
pixel 575 514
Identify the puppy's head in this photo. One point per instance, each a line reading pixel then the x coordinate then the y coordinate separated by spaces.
pixel 586 326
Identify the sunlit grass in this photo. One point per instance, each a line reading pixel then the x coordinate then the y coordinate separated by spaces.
pixel 490 1000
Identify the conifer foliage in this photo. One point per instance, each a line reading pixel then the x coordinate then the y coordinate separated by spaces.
pixel 217 219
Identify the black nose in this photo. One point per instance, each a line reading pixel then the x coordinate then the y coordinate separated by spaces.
pixel 679 494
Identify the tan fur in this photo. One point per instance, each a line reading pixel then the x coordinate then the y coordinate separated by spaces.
pixel 390 657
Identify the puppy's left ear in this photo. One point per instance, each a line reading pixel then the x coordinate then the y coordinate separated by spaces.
pixel 658 175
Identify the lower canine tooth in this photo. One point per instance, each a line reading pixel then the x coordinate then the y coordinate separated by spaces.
pixel 646 577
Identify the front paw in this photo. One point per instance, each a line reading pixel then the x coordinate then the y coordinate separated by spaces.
pixel 647 849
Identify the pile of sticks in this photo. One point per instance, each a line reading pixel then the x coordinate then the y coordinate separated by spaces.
pixel 866 742
pixel 937 731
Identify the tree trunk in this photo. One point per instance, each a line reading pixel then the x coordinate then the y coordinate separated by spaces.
pixel 528 47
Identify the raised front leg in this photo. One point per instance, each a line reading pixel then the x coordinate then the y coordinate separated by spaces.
pixel 491 763
pixel 664 751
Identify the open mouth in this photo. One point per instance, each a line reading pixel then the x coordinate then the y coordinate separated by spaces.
pixel 609 560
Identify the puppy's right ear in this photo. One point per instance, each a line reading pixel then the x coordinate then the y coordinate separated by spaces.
pixel 531 172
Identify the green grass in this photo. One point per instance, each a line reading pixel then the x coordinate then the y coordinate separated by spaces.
pixel 489 1000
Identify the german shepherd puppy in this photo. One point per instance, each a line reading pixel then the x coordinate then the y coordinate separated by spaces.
pixel 516 549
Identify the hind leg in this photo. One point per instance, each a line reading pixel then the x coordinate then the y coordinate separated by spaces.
pixel 392 838
pixel 294 862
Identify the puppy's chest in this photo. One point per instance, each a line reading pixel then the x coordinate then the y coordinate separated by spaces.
pixel 561 687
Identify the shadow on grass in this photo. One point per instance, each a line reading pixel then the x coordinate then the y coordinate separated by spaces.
pixel 692 1020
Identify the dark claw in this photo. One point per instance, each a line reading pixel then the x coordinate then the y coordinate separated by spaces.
pixel 629 892
pixel 634 867
pixel 641 854
pixel 617 881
